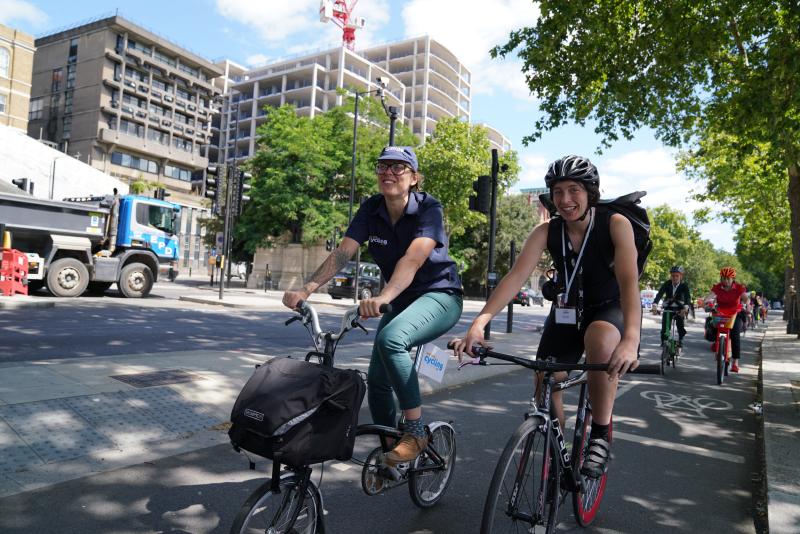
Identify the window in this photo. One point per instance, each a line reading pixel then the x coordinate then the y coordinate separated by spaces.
pixel 131 128
pixel 67 127
pixel 70 76
pixel 2 103
pixel 35 110
pixel 159 85
pixel 73 50
pixel 68 101
pixel 189 70
pixel 178 173
pixel 158 136
pixel 57 79
pixel 164 58
pixel 140 47
pixel 182 144
pixel 5 61
pixel 158 217
pixel 134 162
pixel 183 93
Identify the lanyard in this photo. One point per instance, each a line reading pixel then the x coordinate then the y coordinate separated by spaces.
pixel 569 279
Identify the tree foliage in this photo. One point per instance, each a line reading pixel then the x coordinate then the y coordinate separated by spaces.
pixel 688 69
pixel 451 159
pixel 302 171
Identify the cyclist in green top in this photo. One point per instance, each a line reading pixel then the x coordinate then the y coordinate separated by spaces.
pixel 677 290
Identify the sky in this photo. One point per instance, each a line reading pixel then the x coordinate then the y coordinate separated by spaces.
pixel 254 32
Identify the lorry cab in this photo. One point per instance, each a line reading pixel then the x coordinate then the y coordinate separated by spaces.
pixel 149 223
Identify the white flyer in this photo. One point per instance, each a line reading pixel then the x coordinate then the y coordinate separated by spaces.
pixel 432 362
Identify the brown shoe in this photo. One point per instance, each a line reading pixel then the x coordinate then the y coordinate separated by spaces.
pixel 406 450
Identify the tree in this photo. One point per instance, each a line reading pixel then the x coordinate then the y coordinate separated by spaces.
pixel 684 68
pixel 451 159
pixel 302 168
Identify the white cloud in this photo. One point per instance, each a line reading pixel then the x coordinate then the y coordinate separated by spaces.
pixel 533 167
pixel 256 60
pixel 21 11
pixel 470 28
pixel 279 22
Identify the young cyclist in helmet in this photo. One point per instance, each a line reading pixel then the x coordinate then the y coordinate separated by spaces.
pixel 676 290
pixel 597 308
pixel 731 298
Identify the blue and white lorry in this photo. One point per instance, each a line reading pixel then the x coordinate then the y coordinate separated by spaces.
pixel 90 243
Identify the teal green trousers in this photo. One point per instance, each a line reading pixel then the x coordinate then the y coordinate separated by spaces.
pixel 390 368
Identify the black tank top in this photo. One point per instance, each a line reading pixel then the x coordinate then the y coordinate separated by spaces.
pixel 597 278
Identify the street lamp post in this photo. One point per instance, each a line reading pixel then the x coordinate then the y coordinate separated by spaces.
pixel 392 118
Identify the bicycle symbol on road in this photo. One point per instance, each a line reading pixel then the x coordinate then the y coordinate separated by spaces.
pixel 696 405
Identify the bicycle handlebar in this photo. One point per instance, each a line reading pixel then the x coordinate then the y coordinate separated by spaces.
pixel 549 365
pixel 349 321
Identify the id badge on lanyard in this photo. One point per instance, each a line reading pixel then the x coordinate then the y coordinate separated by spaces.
pixel 564 314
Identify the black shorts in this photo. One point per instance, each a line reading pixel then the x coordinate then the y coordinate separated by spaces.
pixel 565 342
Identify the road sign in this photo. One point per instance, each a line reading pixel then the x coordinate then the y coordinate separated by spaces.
pixel 220 240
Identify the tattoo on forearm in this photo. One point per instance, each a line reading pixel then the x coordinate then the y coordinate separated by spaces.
pixel 332 265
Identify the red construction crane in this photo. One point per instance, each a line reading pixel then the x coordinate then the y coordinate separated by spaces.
pixel 342 15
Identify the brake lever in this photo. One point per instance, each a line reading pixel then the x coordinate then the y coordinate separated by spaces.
pixel 293 319
pixel 359 325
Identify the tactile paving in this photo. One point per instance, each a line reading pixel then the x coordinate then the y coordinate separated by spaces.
pixel 15 454
pixel 170 409
pixel 53 430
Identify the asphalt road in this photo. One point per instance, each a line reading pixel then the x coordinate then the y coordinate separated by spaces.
pixel 683 456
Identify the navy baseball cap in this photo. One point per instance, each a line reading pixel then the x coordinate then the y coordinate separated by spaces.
pixel 400 153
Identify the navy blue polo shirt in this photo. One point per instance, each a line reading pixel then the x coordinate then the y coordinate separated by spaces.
pixel 422 218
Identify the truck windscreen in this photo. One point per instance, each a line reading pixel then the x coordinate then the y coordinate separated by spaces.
pixel 156 217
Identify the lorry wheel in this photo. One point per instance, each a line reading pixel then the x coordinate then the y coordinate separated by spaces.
pixel 67 277
pixel 98 288
pixel 136 281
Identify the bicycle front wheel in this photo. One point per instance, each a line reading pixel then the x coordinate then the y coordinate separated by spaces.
pixel 586 502
pixel 520 496
pixel 664 357
pixel 721 345
pixel 433 469
pixel 276 513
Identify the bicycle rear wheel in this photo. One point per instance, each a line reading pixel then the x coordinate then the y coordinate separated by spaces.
pixel 518 499
pixel 427 486
pixel 664 356
pixel 586 502
pixel 721 343
pixel 264 511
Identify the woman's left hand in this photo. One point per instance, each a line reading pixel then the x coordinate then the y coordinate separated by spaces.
pixel 623 359
pixel 371 307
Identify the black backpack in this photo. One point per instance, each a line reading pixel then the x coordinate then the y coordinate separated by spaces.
pixel 298 413
pixel 627 206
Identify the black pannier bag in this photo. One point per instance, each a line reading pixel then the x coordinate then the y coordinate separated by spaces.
pixel 710 332
pixel 298 413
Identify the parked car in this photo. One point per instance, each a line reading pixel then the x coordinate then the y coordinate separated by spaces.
pixel 777 305
pixel 370 281
pixel 528 297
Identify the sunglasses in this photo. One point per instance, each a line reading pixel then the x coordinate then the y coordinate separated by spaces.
pixel 396 168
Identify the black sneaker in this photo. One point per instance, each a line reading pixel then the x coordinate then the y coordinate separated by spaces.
pixel 596 461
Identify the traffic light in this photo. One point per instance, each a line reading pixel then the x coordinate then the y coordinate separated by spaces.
pixel 161 194
pixel 23 183
pixel 212 187
pixel 244 190
pixel 482 199
pixel 329 244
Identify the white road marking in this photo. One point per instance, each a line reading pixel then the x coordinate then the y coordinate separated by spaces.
pixel 339 466
pixel 690 449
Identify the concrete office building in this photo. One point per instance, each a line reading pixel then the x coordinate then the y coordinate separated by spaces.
pixel 426 82
pixel 497 139
pixel 308 82
pixel 16 67
pixel 126 101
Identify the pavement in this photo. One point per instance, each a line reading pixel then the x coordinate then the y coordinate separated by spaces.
pixel 62 420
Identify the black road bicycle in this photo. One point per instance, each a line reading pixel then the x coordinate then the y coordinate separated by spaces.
pixel 536 471
pixel 291 502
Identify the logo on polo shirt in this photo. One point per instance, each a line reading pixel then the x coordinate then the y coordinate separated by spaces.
pixel 378 240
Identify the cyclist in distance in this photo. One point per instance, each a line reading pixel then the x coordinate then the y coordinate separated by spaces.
pixel 407 239
pixel 731 298
pixel 678 290
pixel 596 307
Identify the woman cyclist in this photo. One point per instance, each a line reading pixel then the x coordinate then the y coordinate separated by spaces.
pixel 406 235
pixel 731 297
pixel 597 308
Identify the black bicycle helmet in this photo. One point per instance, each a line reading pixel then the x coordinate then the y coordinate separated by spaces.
pixel 574 168
pixel 676 269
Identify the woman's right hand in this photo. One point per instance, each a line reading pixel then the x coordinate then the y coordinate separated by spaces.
pixel 291 298
pixel 464 345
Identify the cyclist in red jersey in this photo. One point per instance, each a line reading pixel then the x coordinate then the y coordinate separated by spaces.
pixel 730 300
